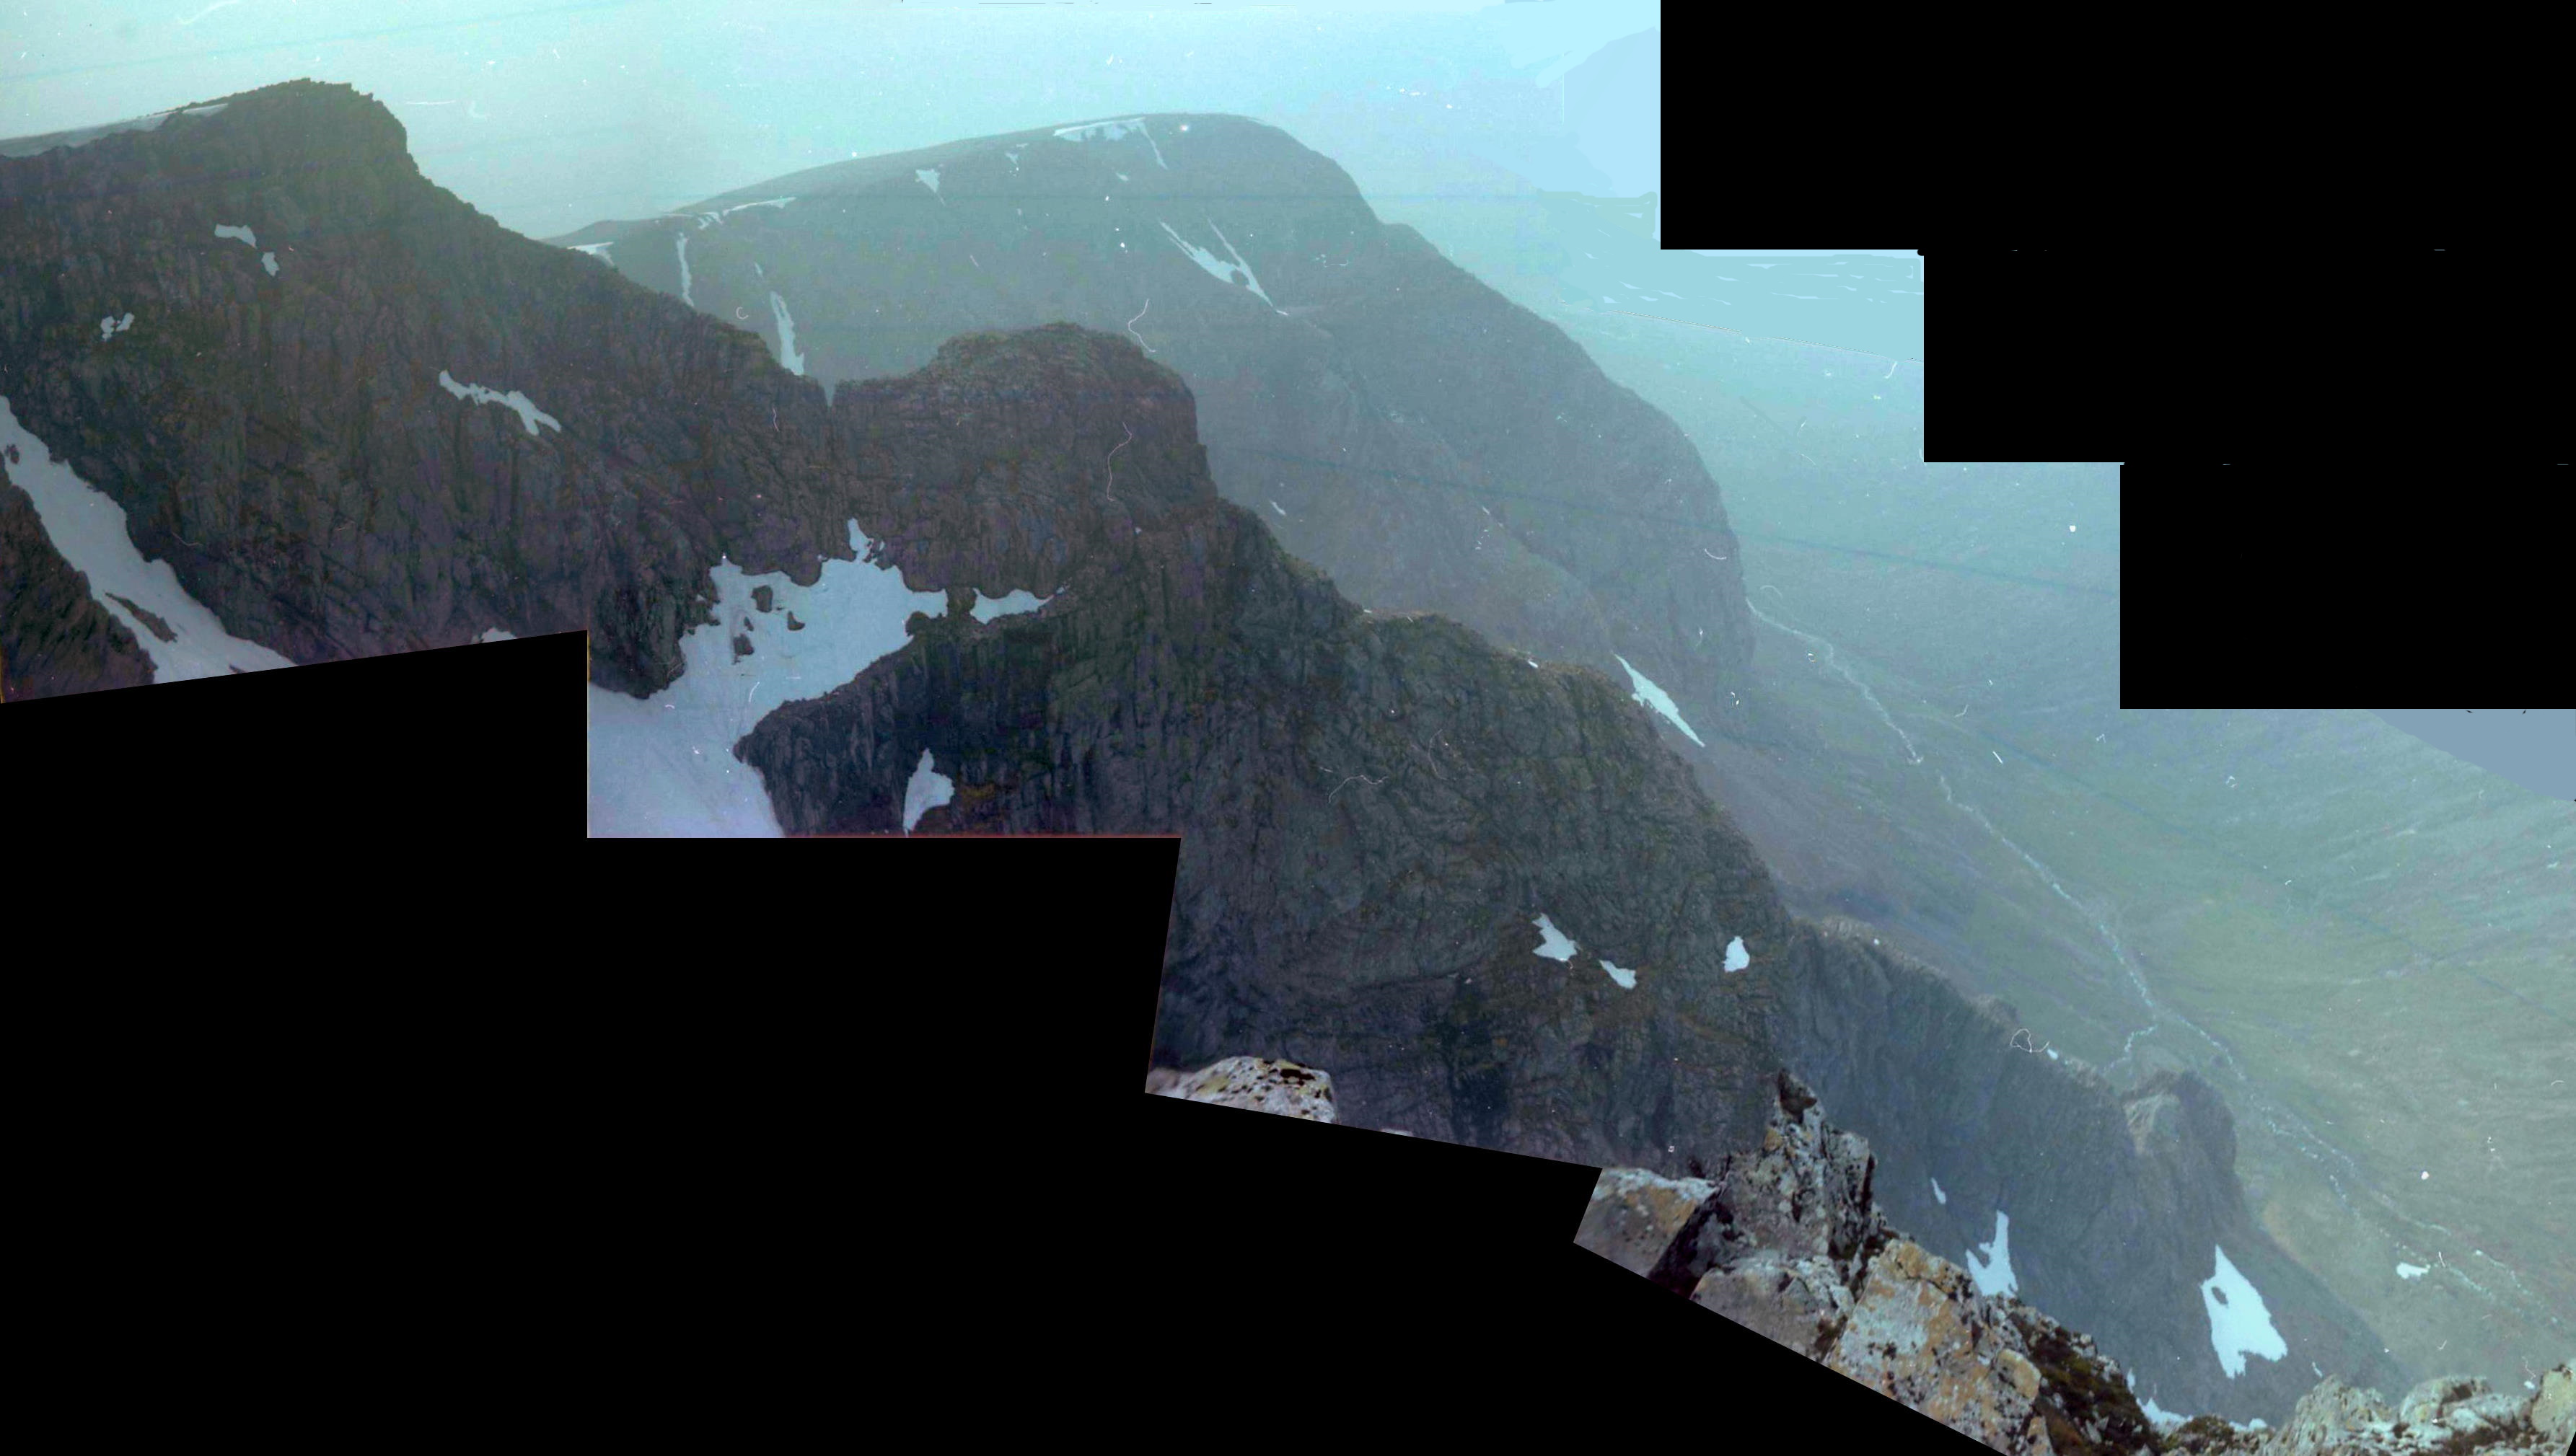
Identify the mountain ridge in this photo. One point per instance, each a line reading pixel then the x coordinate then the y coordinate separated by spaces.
pixel 416 428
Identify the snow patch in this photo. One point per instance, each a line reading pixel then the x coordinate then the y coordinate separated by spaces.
pixel 1552 942
pixel 225 231
pixel 684 272
pixel 664 765
pixel 269 261
pixel 596 250
pixel 1937 1195
pixel 1655 697
pixel 2412 1271
pixel 1109 131
pixel 722 213
pixel 109 328
pixel 1737 958
pixel 926 790
pixel 787 354
pixel 1627 979
pixel 929 177
pixel 1217 268
pixel 1283 510
pixel 1020 600
pixel 1994 1273
pixel 88 529
pixel 498 635
pixel 528 413
pixel 2239 1325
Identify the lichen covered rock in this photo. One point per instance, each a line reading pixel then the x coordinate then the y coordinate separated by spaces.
pixel 1634 1215
pixel 1253 1082
pixel 2449 1415
pixel 1788 1241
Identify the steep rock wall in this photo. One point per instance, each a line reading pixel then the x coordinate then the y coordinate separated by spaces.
pixel 2117 1209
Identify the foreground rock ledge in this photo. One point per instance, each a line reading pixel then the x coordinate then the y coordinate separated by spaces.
pixel 1788 1240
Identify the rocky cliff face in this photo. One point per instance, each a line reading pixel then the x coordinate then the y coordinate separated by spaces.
pixel 2115 1212
pixel 1377 810
pixel 1425 442
pixel 1787 1239
pixel 356 416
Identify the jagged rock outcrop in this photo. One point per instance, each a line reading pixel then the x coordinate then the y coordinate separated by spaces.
pixel 1787 1239
pixel 2451 1415
pixel 1259 1084
pixel 1377 807
pixel 2118 1208
pixel 1427 443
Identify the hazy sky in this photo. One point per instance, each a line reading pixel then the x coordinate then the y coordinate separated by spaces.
pixel 550 116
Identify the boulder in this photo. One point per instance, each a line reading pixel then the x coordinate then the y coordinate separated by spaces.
pixel 2553 1410
pixel 1634 1215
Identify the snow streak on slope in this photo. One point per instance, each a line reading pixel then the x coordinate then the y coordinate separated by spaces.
pixel 1018 600
pixel 1235 274
pixel 707 220
pixel 926 790
pixel 665 765
pixel 89 530
pixel 684 272
pixel 528 413
pixel 787 354
pixel 1110 131
pixel 1655 697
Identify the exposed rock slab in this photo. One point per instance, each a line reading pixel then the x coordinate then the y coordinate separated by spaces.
pixel 1257 1083
pixel 1634 1215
